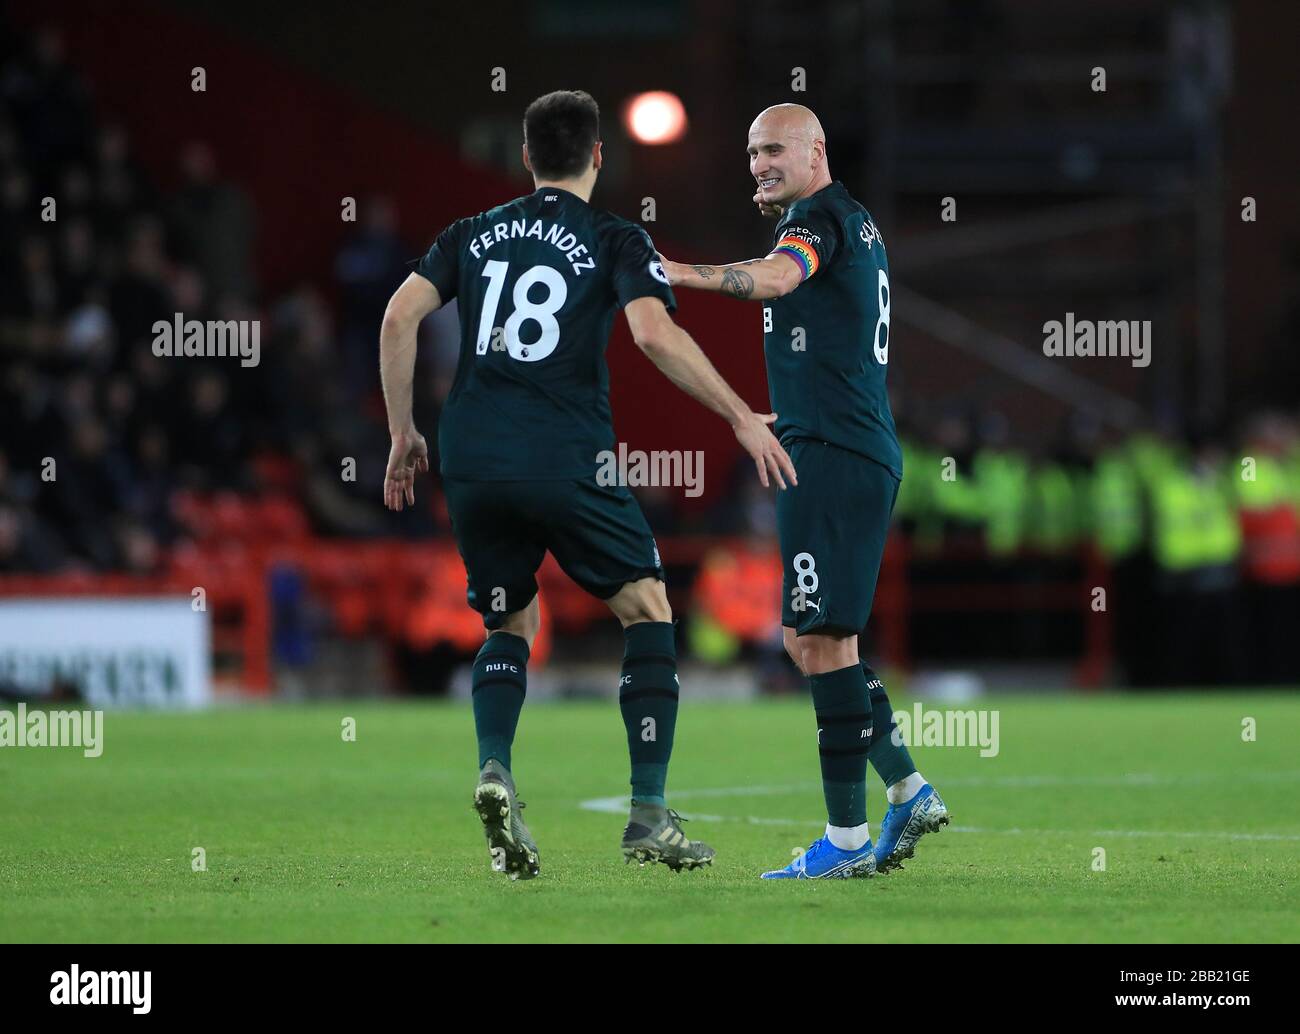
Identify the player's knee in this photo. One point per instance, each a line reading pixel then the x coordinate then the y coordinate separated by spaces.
pixel 796 655
pixel 653 607
pixel 524 623
pixel 824 652
pixel 792 647
pixel 524 632
pixel 643 600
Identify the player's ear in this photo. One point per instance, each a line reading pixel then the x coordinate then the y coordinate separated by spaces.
pixel 523 149
pixel 818 152
pixel 595 156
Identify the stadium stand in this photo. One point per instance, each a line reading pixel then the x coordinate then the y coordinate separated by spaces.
pixel 180 474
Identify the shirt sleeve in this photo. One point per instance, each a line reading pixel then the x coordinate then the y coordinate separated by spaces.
pixel 638 273
pixel 440 265
pixel 811 240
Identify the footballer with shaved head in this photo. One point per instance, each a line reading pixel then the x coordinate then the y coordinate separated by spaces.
pixel 824 288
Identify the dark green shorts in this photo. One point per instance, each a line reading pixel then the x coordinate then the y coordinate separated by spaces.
pixel 503 529
pixel 832 528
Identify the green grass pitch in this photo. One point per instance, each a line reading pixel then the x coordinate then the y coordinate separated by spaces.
pixel 311 838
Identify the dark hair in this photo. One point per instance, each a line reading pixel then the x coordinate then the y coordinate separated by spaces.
pixel 560 129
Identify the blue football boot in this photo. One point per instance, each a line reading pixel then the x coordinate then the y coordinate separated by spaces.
pixel 825 861
pixel 904 824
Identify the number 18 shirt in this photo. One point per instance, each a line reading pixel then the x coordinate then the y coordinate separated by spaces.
pixel 537 281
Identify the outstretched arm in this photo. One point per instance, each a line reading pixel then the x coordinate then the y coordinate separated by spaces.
pixel 679 358
pixel 411 302
pixel 771 277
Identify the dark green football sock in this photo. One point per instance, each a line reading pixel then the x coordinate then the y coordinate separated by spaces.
pixel 647 696
pixel 843 708
pixel 888 756
pixel 499 684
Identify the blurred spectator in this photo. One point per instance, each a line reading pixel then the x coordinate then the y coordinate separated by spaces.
pixel 1196 541
pixel 25 547
pixel 1269 498
pixel 367 267
pixel 48 102
pixel 138 295
pixel 212 225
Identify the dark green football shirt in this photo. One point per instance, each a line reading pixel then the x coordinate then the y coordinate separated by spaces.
pixel 537 281
pixel 827 341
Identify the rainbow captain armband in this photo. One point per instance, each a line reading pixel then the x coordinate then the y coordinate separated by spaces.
pixel 801 251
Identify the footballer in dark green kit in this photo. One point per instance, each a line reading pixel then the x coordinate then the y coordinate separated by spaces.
pixel 826 307
pixel 538 282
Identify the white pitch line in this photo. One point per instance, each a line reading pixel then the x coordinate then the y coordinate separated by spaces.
pixel 618 805
pixel 1130 779
pixel 1127 833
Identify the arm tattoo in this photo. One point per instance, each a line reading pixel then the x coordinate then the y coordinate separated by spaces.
pixel 738 283
pixel 704 271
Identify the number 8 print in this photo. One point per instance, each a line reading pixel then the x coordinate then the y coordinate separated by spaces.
pixel 880 340
pixel 806 568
